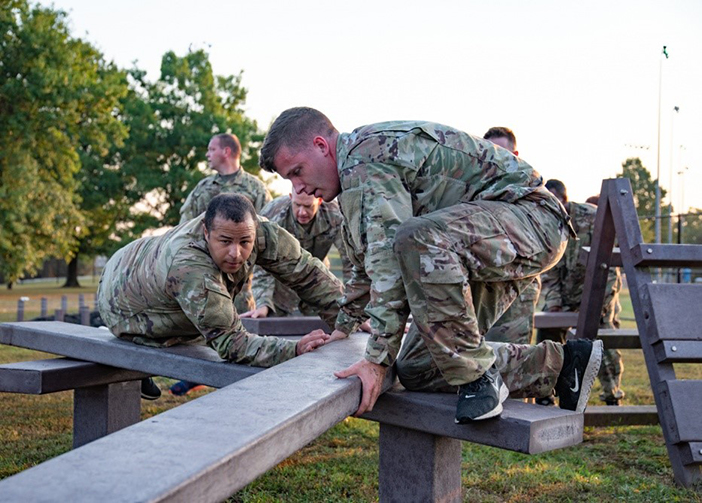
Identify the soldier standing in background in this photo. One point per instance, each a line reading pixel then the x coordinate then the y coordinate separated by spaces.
pixel 563 291
pixel 224 156
pixel 178 288
pixel 317 226
pixel 517 323
pixel 448 227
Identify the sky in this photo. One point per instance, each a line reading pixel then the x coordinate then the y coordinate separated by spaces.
pixel 582 84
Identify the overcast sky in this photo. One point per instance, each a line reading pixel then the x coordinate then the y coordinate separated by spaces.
pixel 578 82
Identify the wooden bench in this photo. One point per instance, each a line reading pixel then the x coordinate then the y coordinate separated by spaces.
pixel 105 399
pixel 289 326
pixel 235 434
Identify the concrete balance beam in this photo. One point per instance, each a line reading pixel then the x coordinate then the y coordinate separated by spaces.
pixel 292 325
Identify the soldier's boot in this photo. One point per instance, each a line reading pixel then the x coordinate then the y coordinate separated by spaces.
pixel 613 401
pixel 149 389
pixel 581 362
pixel 481 398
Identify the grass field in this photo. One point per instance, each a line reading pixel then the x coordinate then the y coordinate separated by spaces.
pixel 627 464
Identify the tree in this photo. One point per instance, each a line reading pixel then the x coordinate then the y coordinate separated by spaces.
pixel 57 97
pixel 644 188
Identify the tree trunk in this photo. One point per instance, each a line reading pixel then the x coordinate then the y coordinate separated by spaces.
pixel 72 274
pixel 9 285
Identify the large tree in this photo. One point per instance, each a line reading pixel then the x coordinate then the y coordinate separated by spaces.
pixel 644 188
pixel 58 97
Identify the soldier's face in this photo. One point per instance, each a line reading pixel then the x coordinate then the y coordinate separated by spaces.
pixel 304 207
pixel 216 156
pixel 231 243
pixel 504 143
pixel 311 170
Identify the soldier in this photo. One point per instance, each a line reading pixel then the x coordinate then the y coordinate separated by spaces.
pixel 517 324
pixel 450 228
pixel 224 156
pixel 563 291
pixel 178 288
pixel 317 226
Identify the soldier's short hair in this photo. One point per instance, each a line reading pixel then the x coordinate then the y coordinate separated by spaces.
pixel 234 207
pixel 501 132
pixel 293 129
pixel 557 187
pixel 593 199
pixel 231 141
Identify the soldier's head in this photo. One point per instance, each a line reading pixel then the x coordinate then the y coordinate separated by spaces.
pixel 223 153
pixel 304 207
pixel 558 189
pixel 301 147
pixel 504 137
pixel 593 199
pixel 230 231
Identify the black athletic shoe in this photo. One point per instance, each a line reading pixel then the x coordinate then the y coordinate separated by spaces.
pixel 547 401
pixel 581 362
pixel 149 390
pixel 613 401
pixel 481 398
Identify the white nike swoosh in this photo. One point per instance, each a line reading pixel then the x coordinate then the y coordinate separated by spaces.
pixel 577 383
pixel 469 396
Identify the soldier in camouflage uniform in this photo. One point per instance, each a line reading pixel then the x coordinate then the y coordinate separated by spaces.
pixel 317 226
pixel 178 288
pixel 443 225
pixel 517 323
pixel 224 156
pixel 563 291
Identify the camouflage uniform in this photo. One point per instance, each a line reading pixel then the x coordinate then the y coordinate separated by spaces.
pixel 316 237
pixel 517 324
pixel 446 225
pixel 563 287
pixel 239 182
pixel 165 290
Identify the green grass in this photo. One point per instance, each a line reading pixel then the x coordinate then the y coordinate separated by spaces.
pixel 628 464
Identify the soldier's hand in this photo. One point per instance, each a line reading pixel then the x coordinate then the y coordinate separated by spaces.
pixel 260 312
pixel 311 341
pixel 554 309
pixel 372 376
pixel 337 335
pixel 365 327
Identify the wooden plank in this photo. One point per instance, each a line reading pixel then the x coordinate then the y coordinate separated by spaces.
pixel 682 405
pixel 192 363
pixel 619 338
pixel 292 325
pixel 678 351
pixel 673 311
pixel 563 319
pixel 522 427
pixel 616 260
pixel 624 415
pixel 666 255
pixel 60 374
pixel 206 449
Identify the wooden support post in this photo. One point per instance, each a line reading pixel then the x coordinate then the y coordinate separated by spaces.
pixel 84 312
pixel 44 306
pixel 64 304
pixel 20 310
pixel 59 314
pixel 101 410
pixel 81 300
pixel 418 466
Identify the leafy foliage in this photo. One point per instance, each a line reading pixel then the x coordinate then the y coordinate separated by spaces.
pixel 644 188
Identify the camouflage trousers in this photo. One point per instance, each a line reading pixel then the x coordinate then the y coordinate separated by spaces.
pixel 517 324
pixel 528 371
pixel 464 265
pixel 612 368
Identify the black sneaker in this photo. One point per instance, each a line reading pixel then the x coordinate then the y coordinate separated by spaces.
pixel 149 390
pixel 616 402
pixel 481 398
pixel 547 401
pixel 581 362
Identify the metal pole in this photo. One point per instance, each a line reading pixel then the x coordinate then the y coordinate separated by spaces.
pixel 670 183
pixel 657 224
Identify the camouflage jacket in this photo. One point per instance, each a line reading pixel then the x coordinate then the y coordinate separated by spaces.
pixel 562 286
pixel 317 237
pixel 240 182
pixel 165 290
pixel 392 171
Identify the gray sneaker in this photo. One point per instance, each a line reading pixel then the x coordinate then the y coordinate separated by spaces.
pixel 481 398
pixel 581 362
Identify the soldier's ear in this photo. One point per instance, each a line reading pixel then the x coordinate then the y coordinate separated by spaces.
pixel 516 153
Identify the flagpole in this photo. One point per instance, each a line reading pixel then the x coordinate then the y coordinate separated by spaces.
pixel 657 225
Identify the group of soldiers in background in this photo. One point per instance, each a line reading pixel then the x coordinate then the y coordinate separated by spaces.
pixel 283 252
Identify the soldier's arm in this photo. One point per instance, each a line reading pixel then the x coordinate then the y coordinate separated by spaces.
pixel 206 302
pixel 356 295
pixel 296 268
pixel 383 204
pixel 263 287
pixel 551 288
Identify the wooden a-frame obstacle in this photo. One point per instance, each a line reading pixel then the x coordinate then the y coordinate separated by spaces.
pixel 668 317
